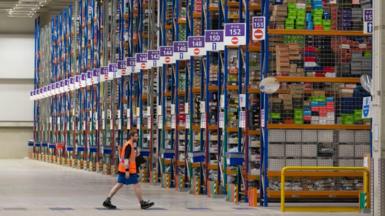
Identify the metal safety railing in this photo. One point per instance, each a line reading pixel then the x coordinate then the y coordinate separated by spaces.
pixel 320 169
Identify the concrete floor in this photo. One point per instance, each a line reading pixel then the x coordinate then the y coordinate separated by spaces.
pixel 30 187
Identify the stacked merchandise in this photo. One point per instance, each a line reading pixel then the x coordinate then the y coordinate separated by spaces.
pixel 233 66
pixel 296 14
pixel 287 111
pixel 276 110
pixel 213 74
pixel 298 98
pixel 350 18
pixel 254 112
pixel 278 16
pixel 322 108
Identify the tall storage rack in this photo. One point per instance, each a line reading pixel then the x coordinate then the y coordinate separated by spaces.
pixel 317 51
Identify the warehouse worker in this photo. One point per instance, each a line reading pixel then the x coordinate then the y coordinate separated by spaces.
pixel 128 173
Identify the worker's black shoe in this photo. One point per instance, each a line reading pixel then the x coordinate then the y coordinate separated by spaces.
pixel 146 204
pixel 107 203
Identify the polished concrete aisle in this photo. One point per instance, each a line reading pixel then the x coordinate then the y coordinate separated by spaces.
pixel 32 188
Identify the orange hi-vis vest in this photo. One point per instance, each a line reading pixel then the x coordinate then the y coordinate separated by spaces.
pixel 132 162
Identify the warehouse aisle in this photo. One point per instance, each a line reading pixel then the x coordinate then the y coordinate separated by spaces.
pixel 30 187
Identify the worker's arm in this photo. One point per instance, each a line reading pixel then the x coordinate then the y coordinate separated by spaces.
pixel 127 160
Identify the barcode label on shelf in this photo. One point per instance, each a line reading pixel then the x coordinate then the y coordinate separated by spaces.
pixel 160 122
pixel 242 119
pixel 187 121
pixel 173 122
pixel 172 109
pixel 203 121
pixel 149 123
pixel 128 123
pixel 221 119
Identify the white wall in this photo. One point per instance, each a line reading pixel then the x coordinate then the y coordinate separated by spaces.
pixel 16 56
pixel 16 80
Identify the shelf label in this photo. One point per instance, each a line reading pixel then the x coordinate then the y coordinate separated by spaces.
pixel 186 110
pixel 367 107
pixel 139 123
pixel 214 40
pixel 153 59
pixel 104 74
pixel 242 119
pixel 258 28
pixel 221 119
pixel 95 76
pixel 262 118
pixel 187 121
pixel 130 63
pixel 72 85
pixel 173 122
pixel 57 89
pixel 368 21
pixel 160 122
pixel 128 123
pixel 242 100
pixel 141 61
pixel 181 50
pixel 203 121
pixel 149 123
pixel 89 78
pixel 172 109
pixel 222 101
pixel 202 106
pixel 149 111
pixel 159 110
pixel 196 46
pixel 166 55
pixel 121 69
pixel 112 68
pixel 235 34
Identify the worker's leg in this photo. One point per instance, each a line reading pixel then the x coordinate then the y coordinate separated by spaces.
pixel 115 189
pixel 138 192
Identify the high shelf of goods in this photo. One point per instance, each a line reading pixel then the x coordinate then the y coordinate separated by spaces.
pixel 317 51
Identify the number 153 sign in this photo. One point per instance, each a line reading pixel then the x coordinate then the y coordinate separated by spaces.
pixel 258 28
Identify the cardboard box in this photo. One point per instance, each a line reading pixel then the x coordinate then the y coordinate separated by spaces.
pixel 276 150
pixel 309 162
pixel 346 151
pixel 309 150
pixel 276 164
pixel 293 150
pixel 346 136
pixel 346 162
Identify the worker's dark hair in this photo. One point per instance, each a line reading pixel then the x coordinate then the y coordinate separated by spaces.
pixel 132 133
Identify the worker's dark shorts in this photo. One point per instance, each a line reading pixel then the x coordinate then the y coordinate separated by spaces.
pixel 121 178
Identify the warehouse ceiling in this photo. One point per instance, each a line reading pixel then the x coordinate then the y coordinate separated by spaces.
pixel 17 16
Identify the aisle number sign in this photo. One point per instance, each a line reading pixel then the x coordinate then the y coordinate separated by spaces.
pixel 96 75
pixel 153 59
pixel 368 21
pixel 196 46
pixel 77 83
pixel 89 78
pixel 166 55
pixel 214 40
pixel 258 28
pixel 121 69
pixel 130 65
pixel 366 107
pixel 112 68
pixel 141 61
pixel 235 34
pixel 103 74
pixel 181 50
